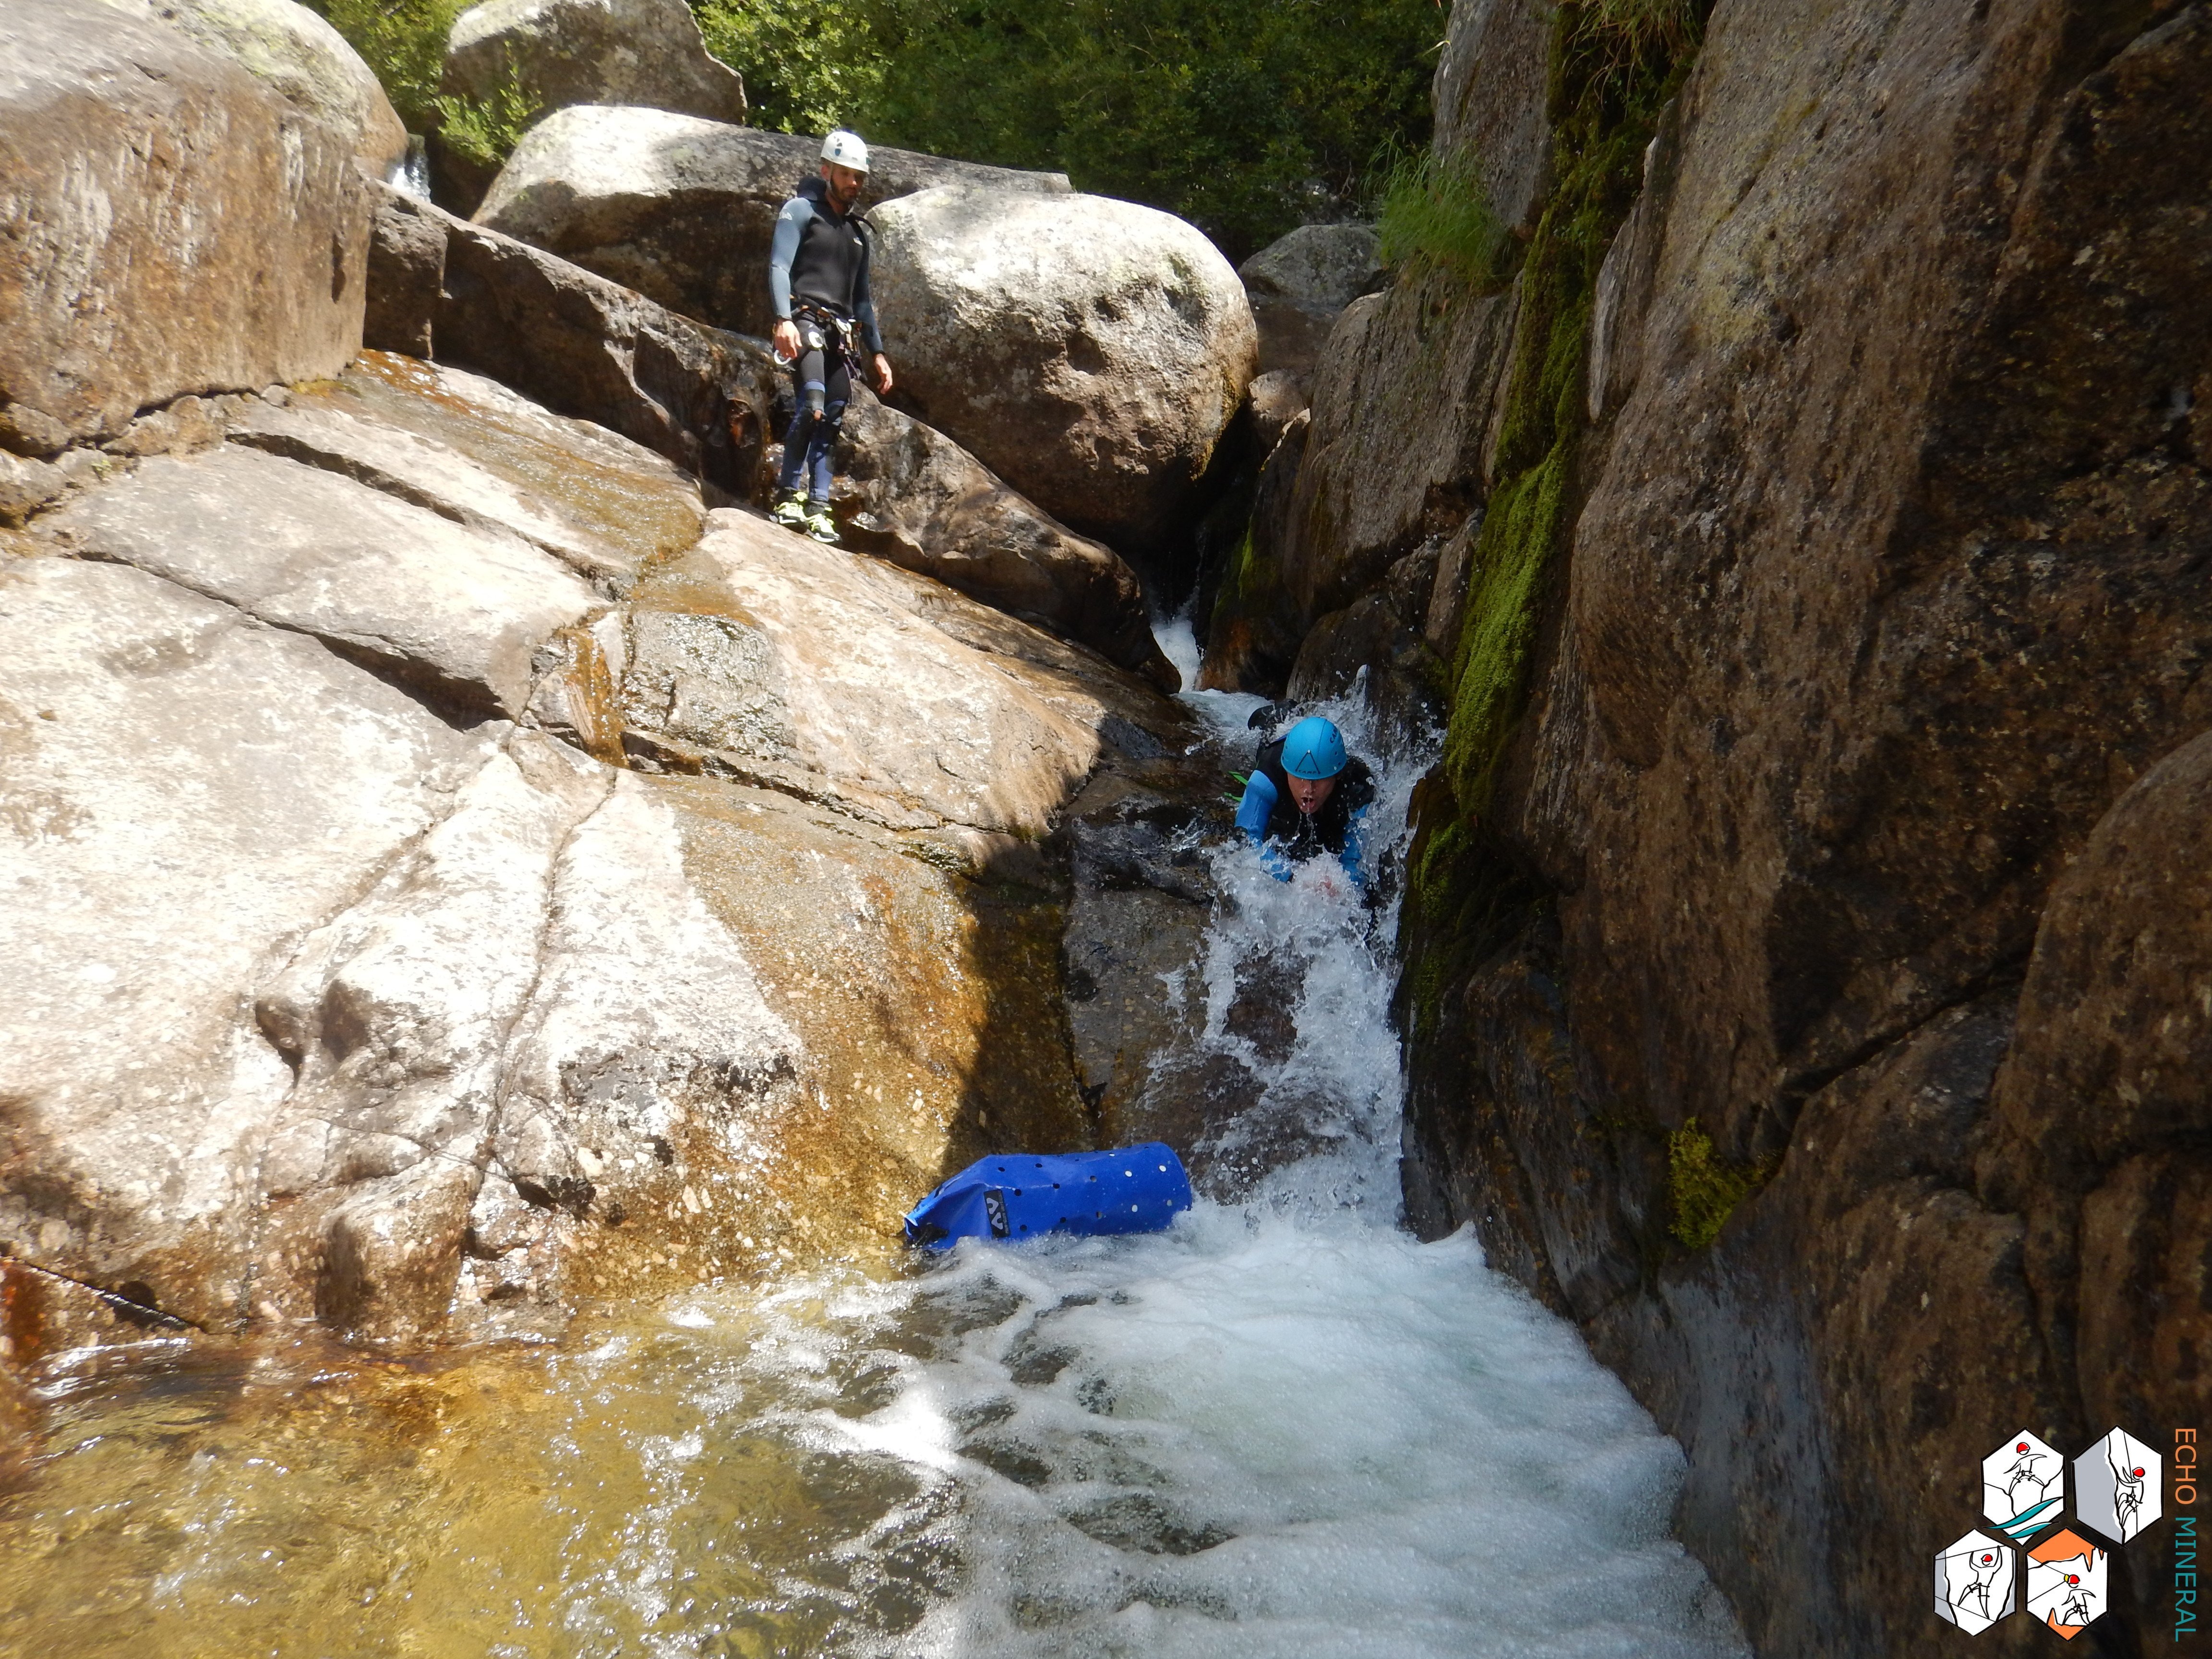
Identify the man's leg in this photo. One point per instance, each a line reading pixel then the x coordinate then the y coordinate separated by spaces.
pixel 822 451
pixel 809 384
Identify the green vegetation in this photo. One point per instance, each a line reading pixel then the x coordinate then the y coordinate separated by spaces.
pixel 806 69
pixel 1433 215
pixel 1247 116
pixel 486 131
pixel 1705 1190
pixel 403 41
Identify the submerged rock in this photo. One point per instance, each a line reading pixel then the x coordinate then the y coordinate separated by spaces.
pixel 194 231
pixel 1091 352
pixel 683 210
pixel 557 53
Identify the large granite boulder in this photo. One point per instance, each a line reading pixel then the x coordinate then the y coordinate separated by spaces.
pixel 191 790
pixel 1851 698
pixel 909 494
pixel 682 210
pixel 333 999
pixel 298 55
pixel 555 53
pixel 178 228
pixel 804 674
pixel 716 403
pixel 1089 351
pixel 1300 282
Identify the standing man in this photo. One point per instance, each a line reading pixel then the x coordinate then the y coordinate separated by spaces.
pixel 818 275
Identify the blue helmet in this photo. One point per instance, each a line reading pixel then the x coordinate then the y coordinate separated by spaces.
pixel 1313 750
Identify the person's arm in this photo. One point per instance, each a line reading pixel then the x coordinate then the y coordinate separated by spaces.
pixel 1252 814
pixel 783 249
pixel 864 298
pixel 1354 856
pixel 863 311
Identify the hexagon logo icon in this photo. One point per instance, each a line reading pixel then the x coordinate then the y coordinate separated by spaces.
pixel 2116 1487
pixel 2023 1487
pixel 1975 1581
pixel 2066 1581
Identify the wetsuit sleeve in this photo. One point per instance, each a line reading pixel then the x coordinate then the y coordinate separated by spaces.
pixel 1354 856
pixel 1252 813
pixel 783 249
pixel 864 298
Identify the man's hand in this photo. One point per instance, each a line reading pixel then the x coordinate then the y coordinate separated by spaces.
pixel 785 338
pixel 883 375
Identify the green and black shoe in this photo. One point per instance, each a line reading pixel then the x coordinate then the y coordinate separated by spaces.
pixel 790 511
pixel 820 524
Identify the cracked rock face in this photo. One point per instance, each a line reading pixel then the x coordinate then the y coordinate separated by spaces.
pixel 342 996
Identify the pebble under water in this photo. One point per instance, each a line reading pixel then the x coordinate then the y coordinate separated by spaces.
pixel 1283 1427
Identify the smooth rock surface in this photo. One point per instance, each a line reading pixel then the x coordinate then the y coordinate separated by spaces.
pixel 187 791
pixel 794 663
pixel 297 55
pixel 555 53
pixel 458 611
pixel 683 210
pixel 910 494
pixel 1300 282
pixel 1090 352
pixel 588 347
pixel 428 1033
pixel 174 225
pixel 598 501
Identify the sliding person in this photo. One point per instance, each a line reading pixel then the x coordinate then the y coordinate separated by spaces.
pixel 1306 798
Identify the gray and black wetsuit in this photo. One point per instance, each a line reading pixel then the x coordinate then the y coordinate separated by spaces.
pixel 818 275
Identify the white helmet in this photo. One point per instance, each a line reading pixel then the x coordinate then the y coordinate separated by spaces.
pixel 844 150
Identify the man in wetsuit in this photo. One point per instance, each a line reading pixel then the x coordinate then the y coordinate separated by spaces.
pixel 818 276
pixel 1306 798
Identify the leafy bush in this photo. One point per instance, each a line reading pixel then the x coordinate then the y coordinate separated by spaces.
pixel 1247 116
pixel 1433 214
pixel 403 41
pixel 805 69
pixel 486 131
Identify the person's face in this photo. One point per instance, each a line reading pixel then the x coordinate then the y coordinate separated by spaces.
pixel 1310 792
pixel 844 184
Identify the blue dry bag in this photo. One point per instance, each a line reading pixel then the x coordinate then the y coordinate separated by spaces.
pixel 1137 1189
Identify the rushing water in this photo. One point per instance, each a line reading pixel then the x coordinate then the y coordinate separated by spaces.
pixel 1283 1427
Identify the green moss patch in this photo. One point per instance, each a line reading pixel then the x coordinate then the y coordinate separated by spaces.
pixel 1702 1188
pixel 1615 63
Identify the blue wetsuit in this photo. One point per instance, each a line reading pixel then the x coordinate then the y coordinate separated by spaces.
pixel 817 277
pixel 1286 836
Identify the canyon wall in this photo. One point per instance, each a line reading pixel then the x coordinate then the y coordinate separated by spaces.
pixel 1800 531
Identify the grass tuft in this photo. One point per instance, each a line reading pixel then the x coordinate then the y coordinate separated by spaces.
pixel 1434 214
